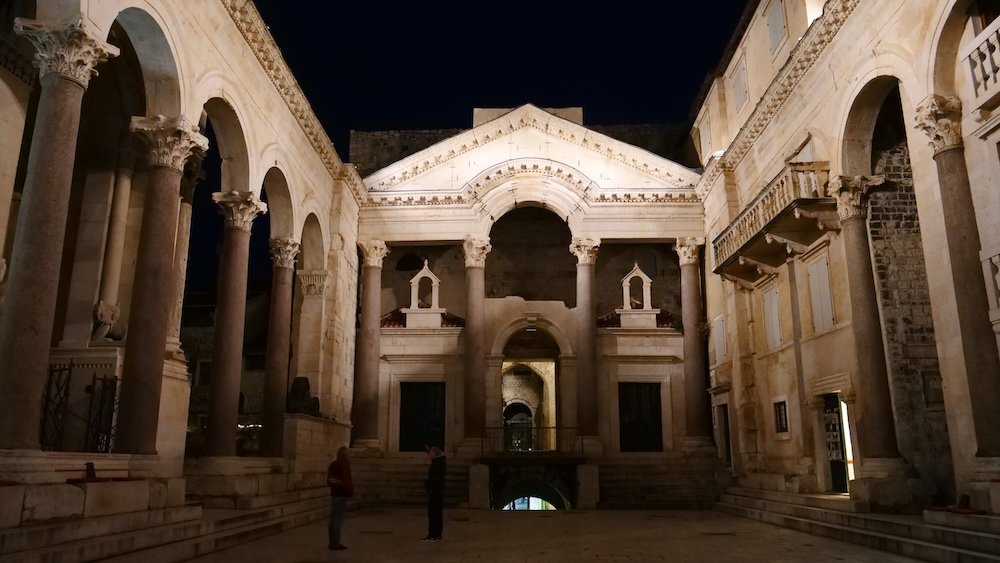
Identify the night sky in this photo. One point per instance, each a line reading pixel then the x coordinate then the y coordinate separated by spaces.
pixel 369 65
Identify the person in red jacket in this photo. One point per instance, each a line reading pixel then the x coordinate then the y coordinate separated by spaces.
pixel 338 477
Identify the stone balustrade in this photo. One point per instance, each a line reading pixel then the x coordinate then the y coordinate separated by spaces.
pixel 981 59
pixel 798 180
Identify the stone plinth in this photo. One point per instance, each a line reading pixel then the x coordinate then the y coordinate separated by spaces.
pixel 221 481
pixel 171 433
pixel 881 493
pixel 479 486
pixel 33 467
pixel 311 444
pixel 114 497
pixel 165 493
pixel 11 505
pixel 51 502
pixel 589 491
pixel 638 318
pixel 423 318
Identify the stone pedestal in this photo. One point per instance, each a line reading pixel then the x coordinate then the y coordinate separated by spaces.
pixel 479 486
pixel 588 493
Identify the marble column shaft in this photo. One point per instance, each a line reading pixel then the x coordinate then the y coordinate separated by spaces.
pixel 474 354
pixel 365 409
pixel 107 311
pixel 66 55
pixel 940 118
pixel 239 210
pixel 586 335
pixel 171 142
pixel 697 415
pixel 279 341
pixel 876 425
pixel 182 247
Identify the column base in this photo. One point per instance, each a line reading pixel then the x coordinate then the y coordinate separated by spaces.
pixel 699 444
pixel 479 486
pixel 368 447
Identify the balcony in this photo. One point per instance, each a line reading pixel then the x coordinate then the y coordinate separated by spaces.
pixel 983 61
pixel 991 269
pixel 787 216
pixel 516 441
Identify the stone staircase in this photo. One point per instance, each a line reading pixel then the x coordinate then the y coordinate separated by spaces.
pixel 676 481
pixel 165 535
pixel 940 537
pixel 400 481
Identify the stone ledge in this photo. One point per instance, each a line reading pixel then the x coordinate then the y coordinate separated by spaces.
pixel 11 505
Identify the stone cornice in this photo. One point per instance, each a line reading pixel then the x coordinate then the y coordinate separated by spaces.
pixel 804 55
pixel 530 116
pixel 250 24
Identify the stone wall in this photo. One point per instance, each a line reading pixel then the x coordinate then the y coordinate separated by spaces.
pixel 901 282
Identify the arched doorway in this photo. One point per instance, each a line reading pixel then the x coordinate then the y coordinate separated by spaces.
pixel 529 392
pixel 518 428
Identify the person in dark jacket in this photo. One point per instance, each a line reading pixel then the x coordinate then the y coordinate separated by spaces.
pixel 435 494
pixel 338 477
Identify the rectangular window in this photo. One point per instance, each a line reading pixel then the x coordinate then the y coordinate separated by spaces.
pixel 421 416
pixel 781 417
pixel 772 323
pixel 776 24
pixel 819 293
pixel 739 85
pixel 719 338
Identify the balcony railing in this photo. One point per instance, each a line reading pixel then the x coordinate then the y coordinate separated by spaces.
pixel 991 269
pixel 798 180
pixel 524 440
pixel 983 61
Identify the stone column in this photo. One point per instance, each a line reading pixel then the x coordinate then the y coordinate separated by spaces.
pixel 239 210
pixel 106 311
pixel 66 55
pixel 697 416
pixel 585 251
pixel 192 175
pixel 473 334
pixel 170 143
pixel 876 426
pixel 279 326
pixel 365 409
pixel 941 119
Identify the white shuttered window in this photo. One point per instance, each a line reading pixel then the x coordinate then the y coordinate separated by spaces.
pixel 772 323
pixel 819 292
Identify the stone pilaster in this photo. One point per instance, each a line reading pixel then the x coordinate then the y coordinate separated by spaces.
pixel 697 415
pixel 283 253
pixel 365 409
pixel 239 209
pixel 67 54
pixel 170 142
pixel 941 119
pixel 475 251
pixel 876 426
pixel 585 250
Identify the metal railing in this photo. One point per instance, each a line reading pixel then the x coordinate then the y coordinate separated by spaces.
pixel 798 180
pixel 525 440
pixel 983 61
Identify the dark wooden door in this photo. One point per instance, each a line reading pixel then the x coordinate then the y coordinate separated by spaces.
pixel 421 416
pixel 640 417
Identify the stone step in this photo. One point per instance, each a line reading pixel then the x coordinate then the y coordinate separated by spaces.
pixel 910 528
pixel 915 548
pixel 178 541
pixel 839 502
pixel 37 536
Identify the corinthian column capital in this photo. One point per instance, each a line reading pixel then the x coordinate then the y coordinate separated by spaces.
pixel 851 193
pixel 475 251
pixel 585 249
pixel 239 208
pixel 940 118
pixel 171 141
pixel 284 251
pixel 374 251
pixel 687 249
pixel 68 48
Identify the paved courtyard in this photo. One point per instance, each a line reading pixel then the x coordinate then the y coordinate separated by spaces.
pixel 388 535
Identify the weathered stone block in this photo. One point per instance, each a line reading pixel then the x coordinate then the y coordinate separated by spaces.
pixel 995 497
pixel 157 494
pixel 887 494
pixel 588 477
pixel 117 497
pixel 11 505
pixel 51 502
pixel 479 486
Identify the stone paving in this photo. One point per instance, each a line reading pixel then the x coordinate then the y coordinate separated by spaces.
pixel 389 535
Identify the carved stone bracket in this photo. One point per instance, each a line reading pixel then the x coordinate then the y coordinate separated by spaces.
pixel 475 251
pixel 585 249
pixel 239 208
pixel 68 48
pixel 171 141
pixel 791 247
pixel 687 249
pixel 284 251
pixel 851 193
pixel 762 268
pixel 940 118
pixel 313 282
pixel 824 221
pixel 374 252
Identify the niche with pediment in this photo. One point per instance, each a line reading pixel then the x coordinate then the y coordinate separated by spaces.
pixel 420 313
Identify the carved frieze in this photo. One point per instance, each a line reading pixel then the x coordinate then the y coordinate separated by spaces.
pixel 374 251
pixel 68 48
pixel 585 249
pixel 239 209
pixel 940 118
pixel 475 251
pixel 284 251
pixel 170 141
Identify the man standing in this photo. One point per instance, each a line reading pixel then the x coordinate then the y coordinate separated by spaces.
pixel 435 494
pixel 338 477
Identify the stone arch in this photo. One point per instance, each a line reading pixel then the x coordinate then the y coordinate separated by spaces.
pixel 856 152
pixel 541 323
pixel 279 203
pixel 942 67
pixel 231 142
pixel 157 60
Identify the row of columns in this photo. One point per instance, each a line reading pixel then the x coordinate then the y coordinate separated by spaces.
pixel 67 55
pixel 365 409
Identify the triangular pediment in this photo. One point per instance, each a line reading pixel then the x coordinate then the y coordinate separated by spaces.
pixel 530 141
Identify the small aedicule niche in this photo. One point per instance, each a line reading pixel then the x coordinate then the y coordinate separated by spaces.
pixel 635 313
pixel 421 314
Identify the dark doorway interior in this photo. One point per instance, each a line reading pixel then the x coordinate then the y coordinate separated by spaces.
pixel 421 416
pixel 724 435
pixel 640 417
pixel 836 450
